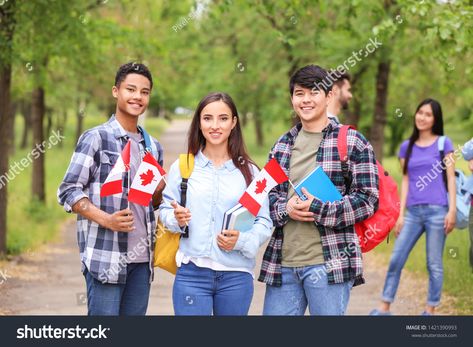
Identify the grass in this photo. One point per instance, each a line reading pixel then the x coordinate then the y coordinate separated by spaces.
pixel 458 277
pixel 31 223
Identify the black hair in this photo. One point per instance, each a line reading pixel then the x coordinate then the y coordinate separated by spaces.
pixel 132 67
pixel 437 128
pixel 312 77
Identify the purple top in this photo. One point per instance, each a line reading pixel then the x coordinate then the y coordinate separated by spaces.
pixel 426 185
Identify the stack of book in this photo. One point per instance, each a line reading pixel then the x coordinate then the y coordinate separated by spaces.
pixel 238 218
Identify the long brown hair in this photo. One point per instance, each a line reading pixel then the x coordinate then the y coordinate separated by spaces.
pixel 236 145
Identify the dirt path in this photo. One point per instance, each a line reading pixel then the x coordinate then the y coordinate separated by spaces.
pixel 48 281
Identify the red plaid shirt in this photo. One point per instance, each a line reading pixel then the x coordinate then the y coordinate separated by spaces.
pixel 334 220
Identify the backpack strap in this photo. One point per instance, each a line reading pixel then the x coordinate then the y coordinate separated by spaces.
pixel 441 147
pixel 146 137
pixel 342 147
pixel 186 165
pixel 343 154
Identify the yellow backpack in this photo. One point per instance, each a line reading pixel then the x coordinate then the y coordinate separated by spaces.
pixel 167 242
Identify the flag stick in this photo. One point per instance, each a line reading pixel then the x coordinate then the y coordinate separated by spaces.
pixel 295 191
pixel 164 179
pixel 129 174
pixel 292 185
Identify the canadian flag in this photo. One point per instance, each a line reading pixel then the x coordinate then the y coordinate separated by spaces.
pixel 113 183
pixel 269 177
pixel 146 180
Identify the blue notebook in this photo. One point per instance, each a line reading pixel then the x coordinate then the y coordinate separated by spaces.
pixel 238 218
pixel 319 185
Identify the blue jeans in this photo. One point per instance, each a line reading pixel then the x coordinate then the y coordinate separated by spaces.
pixel 199 291
pixel 306 285
pixel 471 236
pixel 130 299
pixel 419 218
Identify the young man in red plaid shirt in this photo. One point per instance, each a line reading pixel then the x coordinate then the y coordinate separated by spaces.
pixel 313 258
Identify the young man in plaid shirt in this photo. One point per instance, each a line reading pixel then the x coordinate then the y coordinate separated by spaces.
pixel 313 258
pixel 115 242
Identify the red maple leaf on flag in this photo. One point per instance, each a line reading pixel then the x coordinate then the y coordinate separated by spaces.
pixel 260 186
pixel 147 177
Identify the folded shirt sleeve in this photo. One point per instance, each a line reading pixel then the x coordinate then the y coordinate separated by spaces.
pixel 84 162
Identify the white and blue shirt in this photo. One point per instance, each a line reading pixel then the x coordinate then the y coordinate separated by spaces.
pixel 211 192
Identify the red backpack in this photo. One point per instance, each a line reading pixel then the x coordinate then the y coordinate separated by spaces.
pixel 373 230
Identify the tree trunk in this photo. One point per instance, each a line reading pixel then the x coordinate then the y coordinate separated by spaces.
pixel 25 109
pixel 258 128
pixel 292 69
pixel 244 119
pixel 11 128
pixel 80 118
pixel 37 117
pixel 62 120
pixel 7 27
pixel 49 122
pixel 379 117
pixel 5 83
pixel 353 116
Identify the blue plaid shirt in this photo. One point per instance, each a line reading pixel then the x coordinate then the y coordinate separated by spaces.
pixel 335 221
pixel 103 251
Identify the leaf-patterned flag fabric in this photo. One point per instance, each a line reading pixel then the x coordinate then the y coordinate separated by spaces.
pixel 113 182
pixel 269 177
pixel 146 180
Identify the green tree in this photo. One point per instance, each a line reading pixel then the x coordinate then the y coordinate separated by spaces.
pixel 7 29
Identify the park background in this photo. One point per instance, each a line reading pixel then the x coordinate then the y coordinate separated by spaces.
pixel 58 61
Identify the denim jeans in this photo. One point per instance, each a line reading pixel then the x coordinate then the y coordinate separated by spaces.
pixel 470 227
pixel 306 286
pixel 419 218
pixel 200 291
pixel 130 299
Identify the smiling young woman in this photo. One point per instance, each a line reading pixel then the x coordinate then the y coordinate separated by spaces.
pixel 215 266
pixel 429 207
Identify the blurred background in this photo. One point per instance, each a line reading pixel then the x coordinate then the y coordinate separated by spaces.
pixel 58 61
